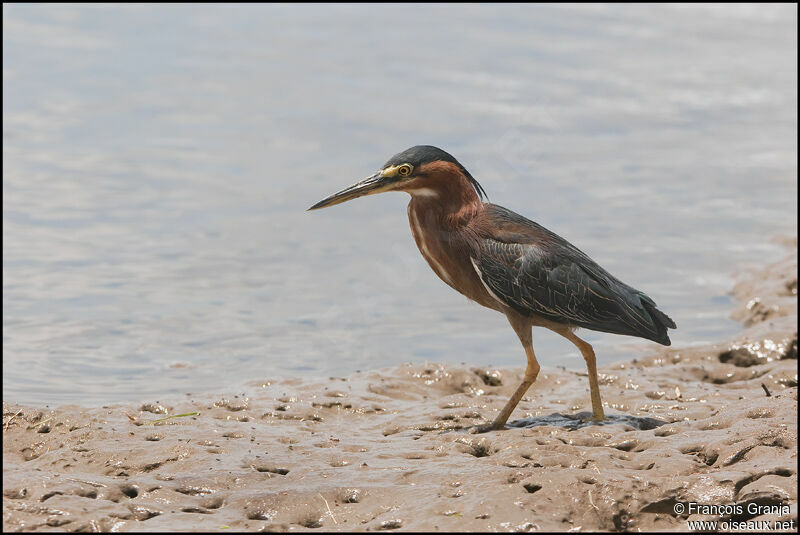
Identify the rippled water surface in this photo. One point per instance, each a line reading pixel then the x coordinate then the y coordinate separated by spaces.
pixel 157 164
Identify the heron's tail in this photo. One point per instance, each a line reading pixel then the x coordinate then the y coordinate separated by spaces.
pixel 661 322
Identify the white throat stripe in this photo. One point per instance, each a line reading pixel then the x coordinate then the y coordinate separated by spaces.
pixel 423 192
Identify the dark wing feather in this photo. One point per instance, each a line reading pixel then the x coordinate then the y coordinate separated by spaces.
pixel 536 272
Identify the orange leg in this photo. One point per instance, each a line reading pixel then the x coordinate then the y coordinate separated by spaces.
pixel 522 326
pixel 591 363
pixel 530 376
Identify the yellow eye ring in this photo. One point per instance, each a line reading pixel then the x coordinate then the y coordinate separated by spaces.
pixel 404 170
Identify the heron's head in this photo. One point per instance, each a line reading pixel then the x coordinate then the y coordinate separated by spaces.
pixel 423 170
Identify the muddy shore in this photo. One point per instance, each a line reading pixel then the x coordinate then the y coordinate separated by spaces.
pixel 391 449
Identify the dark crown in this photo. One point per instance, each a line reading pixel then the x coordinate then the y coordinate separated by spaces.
pixel 422 154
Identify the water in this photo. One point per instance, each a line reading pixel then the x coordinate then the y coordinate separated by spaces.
pixel 158 163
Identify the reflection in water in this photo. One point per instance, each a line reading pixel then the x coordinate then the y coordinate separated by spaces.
pixel 158 164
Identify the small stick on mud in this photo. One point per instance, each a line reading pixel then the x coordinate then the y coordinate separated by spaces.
pixel 766 390
pixel 38 424
pixel 92 483
pixel 8 422
pixel 164 419
pixel 591 501
pixel 329 508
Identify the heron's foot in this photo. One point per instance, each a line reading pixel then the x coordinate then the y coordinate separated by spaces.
pixel 485 428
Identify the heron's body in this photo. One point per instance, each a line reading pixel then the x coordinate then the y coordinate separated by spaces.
pixel 508 263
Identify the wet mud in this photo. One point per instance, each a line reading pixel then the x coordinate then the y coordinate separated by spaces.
pixel 393 449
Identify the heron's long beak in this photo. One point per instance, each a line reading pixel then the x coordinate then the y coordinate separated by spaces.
pixel 376 183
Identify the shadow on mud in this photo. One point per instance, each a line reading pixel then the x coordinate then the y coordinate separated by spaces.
pixel 584 419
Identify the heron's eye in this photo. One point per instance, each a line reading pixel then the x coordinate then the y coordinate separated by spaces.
pixel 404 170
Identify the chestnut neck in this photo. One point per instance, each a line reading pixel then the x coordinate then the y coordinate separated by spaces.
pixel 443 191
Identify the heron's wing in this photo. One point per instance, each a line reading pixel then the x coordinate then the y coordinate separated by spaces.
pixel 536 272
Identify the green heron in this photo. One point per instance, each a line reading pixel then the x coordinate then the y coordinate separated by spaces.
pixel 509 263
